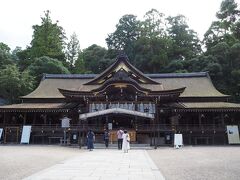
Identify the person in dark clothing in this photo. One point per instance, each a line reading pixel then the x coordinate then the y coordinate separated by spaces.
pixel 90 140
pixel 106 138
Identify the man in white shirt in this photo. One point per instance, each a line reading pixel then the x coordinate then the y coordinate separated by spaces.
pixel 120 139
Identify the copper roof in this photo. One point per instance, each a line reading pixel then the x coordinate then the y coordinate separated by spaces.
pixel 197 85
pixel 205 106
pixel 202 105
pixel 34 107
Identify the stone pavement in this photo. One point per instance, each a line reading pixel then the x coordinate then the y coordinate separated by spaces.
pixel 107 164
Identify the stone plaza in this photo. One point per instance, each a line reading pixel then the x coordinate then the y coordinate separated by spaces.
pixel 54 162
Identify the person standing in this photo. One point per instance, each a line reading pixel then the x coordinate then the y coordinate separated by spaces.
pixel 106 138
pixel 90 140
pixel 126 142
pixel 119 137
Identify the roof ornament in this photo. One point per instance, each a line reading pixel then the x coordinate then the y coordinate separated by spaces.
pixel 122 55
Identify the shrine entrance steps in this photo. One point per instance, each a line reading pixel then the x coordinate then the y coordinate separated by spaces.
pixel 115 146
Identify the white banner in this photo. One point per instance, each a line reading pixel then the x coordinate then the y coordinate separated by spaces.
pixel 178 140
pixel 65 122
pixel 1 130
pixel 233 134
pixel 110 126
pixel 26 134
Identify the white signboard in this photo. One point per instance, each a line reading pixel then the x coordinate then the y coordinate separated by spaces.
pixel 65 122
pixel 233 134
pixel 26 134
pixel 1 130
pixel 178 140
pixel 74 136
pixel 110 126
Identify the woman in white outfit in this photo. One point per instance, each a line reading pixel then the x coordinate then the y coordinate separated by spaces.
pixel 126 142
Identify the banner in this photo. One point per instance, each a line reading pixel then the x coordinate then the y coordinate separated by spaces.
pixel 178 140
pixel 233 134
pixel 1 130
pixel 65 122
pixel 26 134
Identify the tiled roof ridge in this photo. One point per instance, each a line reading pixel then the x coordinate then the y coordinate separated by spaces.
pixel 160 75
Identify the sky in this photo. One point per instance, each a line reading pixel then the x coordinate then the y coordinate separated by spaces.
pixel 93 20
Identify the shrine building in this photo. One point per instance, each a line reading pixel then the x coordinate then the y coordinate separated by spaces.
pixel 152 107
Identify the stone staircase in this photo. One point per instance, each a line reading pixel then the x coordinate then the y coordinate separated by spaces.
pixel 115 146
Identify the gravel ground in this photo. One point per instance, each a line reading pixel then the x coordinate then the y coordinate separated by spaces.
pixel 194 163
pixel 18 161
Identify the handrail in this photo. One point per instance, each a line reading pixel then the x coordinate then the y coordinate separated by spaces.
pixel 141 127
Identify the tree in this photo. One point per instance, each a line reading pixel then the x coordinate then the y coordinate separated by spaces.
pixel 4 47
pixel 93 56
pixel 5 56
pixel 228 14
pixel 46 65
pixel 175 66
pixel 222 42
pixel 48 39
pixel 15 53
pixel 23 58
pixel 73 50
pixel 14 84
pixel 151 54
pixel 225 29
pixel 27 82
pixel 79 67
pixel 10 82
pixel 185 43
pixel 153 24
pixel 126 33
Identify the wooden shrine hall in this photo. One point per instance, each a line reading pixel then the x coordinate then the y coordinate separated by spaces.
pixel 152 107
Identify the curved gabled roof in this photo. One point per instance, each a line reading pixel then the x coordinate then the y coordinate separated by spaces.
pixel 122 62
pixel 197 84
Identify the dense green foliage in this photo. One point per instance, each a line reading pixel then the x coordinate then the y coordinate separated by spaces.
pixel 47 65
pixel 73 51
pixel 14 83
pixel 154 44
pixel 48 39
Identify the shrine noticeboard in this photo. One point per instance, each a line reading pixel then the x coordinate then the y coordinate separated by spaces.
pixel 178 140
pixel 65 122
pixel 26 134
pixel 1 130
pixel 233 134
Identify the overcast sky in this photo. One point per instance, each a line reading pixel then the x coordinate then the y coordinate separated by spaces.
pixel 92 20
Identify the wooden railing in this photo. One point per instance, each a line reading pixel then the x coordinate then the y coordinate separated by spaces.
pixel 181 127
pixel 139 128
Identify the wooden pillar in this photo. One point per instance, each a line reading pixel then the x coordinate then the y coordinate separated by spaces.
pixel 80 135
pixel 34 117
pixel 154 134
pixel 24 118
pixel 223 123
pixel 136 127
pixel 222 119
pixel 199 119
pixel 190 138
pixel 156 119
pixel 45 119
pixel 4 128
pixel 213 140
pixel 4 119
